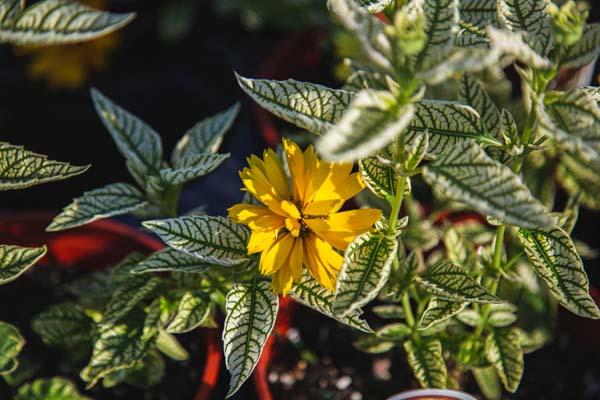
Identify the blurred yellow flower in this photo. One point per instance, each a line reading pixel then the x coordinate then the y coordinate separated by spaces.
pixel 69 66
pixel 299 224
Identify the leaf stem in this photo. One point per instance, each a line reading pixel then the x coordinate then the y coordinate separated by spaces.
pixel 498 247
pixel 397 203
pixel 408 314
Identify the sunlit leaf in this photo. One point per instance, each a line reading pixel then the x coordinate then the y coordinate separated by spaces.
pixel 52 22
pixel 531 17
pixel 374 6
pixel 371 122
pixel 439 310
pixel 472 93
pixel 171 260
pixel 206 136
pixel 20 169
pixel 215 240
pixel 514 44
pixel 312 107
pixel 50 389
pixel 111 200
pixel 449 282
pixel 192 167
pixel 170 346
pixel 15 260
pixel 11 344
pixel 466 174
pixel 427 362
pixel 366 268
pixel 503 351
pixel 251 310
pixel 578 179
pixel 396 331
pixel 380 179
pixel 311 293
pixel 554 257
pixel 193 309
pixel 584 51
pixel 127 296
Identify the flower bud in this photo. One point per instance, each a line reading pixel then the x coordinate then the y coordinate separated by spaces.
pixel 410 31
pixel 568 22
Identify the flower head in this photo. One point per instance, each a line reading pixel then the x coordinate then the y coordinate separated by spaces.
pixel 299 225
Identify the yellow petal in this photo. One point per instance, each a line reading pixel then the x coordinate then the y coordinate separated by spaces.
pixel 323 207
pixel 290 209
pixel 293 225
pixel 295 161
pixel 260 241
pixel 275 174
pixel 322 261
pixel 256 217
pixel 276 256
pixel 341 228
pixel 296 260
pixel 282 281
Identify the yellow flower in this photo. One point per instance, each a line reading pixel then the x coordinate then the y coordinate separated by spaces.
pixel 70 65
pixel 299 224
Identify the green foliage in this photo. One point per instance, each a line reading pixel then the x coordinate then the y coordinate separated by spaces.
pixel 15 260
pixel 50 389
pixel 11 344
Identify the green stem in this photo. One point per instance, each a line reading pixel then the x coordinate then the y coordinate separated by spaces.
pixel 408 314
pixel 498 247
pixel 397 204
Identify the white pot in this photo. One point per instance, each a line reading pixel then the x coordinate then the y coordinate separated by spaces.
pixel 432 394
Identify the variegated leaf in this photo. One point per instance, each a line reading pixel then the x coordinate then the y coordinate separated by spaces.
pixel 447 123
pixel 206 136
pixel 473 94
pixel 170 346
pixel 136 140
pixel 466 174
pixel 371 122
pixel 363 79
pixel 578 179
pixel 11 344
pixel 416 150
pixel 488 382
pixel 502 315
pixel 127 296
pixel 192 167
pixel 389 311
pixel 20 169
pixel 472 36
pixel 374 6
pixel 251 310
pixel 367 29
pixel 441 27
pixel 380 179
pixel 64 324
pixel 449 282
pixel 193 309
pixel 309 106
pixel 366 268
pixel 122 345
pixel 584 51
pixel 51 22
pixel 531 17
pixel 111 200
pixel 427 362
pixel 310 293
pixel 554 257
pixel 56 388
pixel 480 13
pixel 372 344
pixel 514 44
pixel 439 310
pixel 171 260
pixel 215 240
pixel 503 350
pixel 15 260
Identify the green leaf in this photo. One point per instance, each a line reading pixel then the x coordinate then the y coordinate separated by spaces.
pixel 426 361
pixel 192 167
pixel 11 344
pixel 52 22
pixel 473 94
pixel 9 9
pixel 446 122
pixel 449 282
pixel 20 169
pixel 554 257
pixel 456 247
pixel 309 106
pixel 171 260
pixel 372 344
pixel 122 345
pixel 388 311
pixel 416 150
pixel 396 331
pixel 480 13
pixel 441 27
pixel 488 382
pixel 584 51
pixel 439 310
pixel 531 17
pixel 56 388
pixel 366 268
pixel 578 179
pixel 138 142
pixel 466 174
pixel 515 44
pixel 215 240
pixel 170 346
pixel 379 178
pixel 127 296
pixel 206 136
pixel 251 309
pixel 367 29
pixel 111 200
pixel 64 324
pixel 15 260
pixel 371 122
pixel 502 315
pixel 374 6
pixel 503 351
pixel 194 308
pixel 362 79
pixel 310 293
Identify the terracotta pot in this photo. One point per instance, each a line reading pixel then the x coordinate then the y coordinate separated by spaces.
pixel 432 394
pixel 95 246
